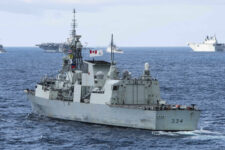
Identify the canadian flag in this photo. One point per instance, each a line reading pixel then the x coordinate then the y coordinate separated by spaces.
pixel 70 51
pixel 94 53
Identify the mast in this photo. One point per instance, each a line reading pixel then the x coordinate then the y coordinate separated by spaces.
pixel 112 52
pixel 74 24
pixel 76 47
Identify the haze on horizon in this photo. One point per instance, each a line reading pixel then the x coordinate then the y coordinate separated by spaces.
pixel 133 22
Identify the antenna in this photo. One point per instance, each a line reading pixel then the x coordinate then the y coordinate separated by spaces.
pixel 112 52
pixel 76 47
pixel 74 25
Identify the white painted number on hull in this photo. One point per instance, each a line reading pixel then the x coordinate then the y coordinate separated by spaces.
pixel 176 120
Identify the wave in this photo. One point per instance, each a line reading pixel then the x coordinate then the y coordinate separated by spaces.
pixel 200 134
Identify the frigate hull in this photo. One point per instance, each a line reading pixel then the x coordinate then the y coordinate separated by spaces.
pixel 165 120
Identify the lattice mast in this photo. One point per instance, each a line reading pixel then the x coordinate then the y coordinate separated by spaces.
pixel 76 46
pixel 74 25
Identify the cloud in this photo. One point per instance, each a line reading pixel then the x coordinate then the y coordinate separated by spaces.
pixel 38 7
pixel 68 1
pixel 137 22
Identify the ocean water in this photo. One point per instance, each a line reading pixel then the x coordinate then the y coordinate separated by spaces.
pixel 185 77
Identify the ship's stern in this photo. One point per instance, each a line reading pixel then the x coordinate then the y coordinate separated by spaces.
pixel 177 120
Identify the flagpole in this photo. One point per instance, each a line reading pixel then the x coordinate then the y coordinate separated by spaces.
pixel 113 49
pixel 112 57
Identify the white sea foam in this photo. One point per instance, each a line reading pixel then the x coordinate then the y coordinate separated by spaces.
pixel 207 134
pixel 197 134
pixel 179 133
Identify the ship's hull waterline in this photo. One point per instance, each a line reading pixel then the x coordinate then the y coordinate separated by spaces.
pixel 52 51
pixel 114 51
pixel 163 120
pixel 207 47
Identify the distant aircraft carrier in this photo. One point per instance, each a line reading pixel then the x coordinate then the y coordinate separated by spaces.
pixel 54 47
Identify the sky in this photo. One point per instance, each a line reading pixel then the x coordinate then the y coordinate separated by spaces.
pixel 133 22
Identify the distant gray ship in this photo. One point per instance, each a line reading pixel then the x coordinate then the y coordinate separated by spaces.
pixel 92 91
pixel 54 47
pixel 2 50
pixel 209 45
pixel 113 48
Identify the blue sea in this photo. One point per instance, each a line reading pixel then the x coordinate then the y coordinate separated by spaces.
pixel 185 77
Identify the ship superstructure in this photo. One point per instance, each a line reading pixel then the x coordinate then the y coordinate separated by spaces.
pixel 92 91
pixel 209 45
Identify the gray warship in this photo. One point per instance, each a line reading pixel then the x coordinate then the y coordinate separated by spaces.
pixel 92 91
pixel 2 50
pixel 54 47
